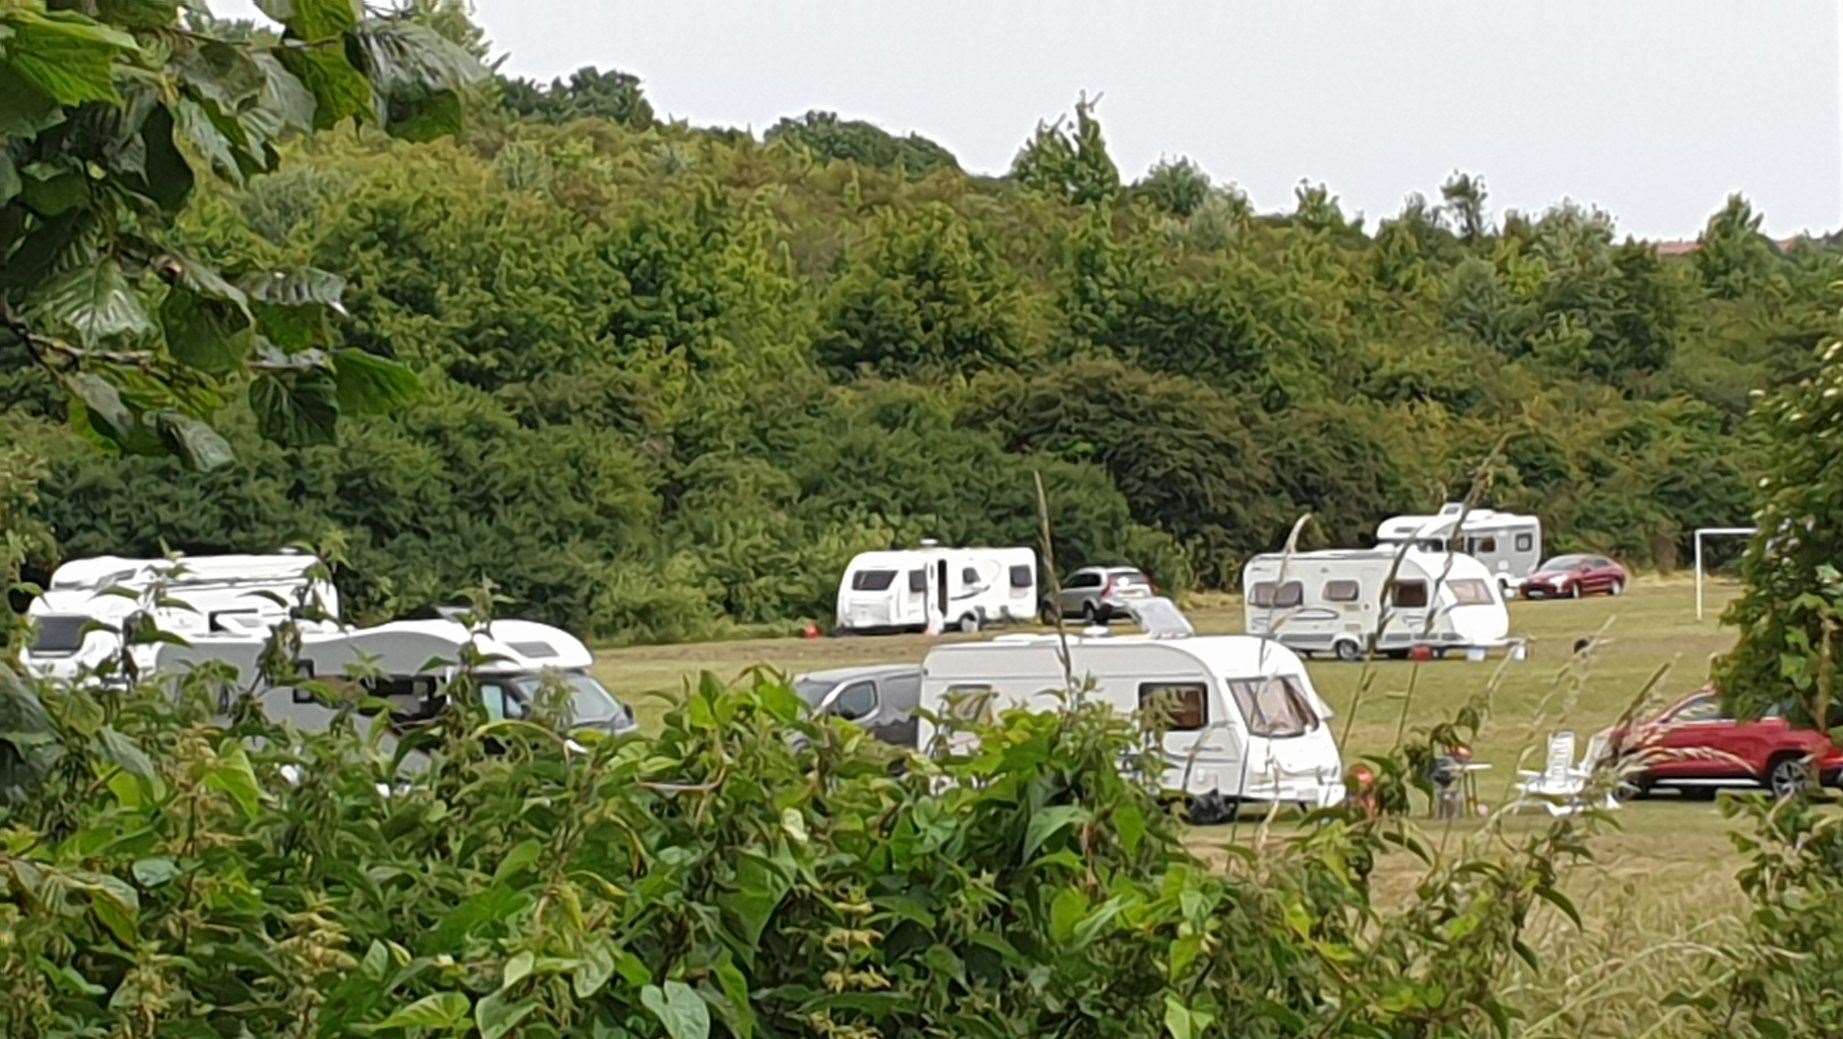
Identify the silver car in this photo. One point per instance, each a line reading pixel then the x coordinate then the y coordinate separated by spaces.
pixel 1098 594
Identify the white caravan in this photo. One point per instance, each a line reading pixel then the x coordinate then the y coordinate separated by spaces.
pixel 1351 602
pixel 1241 719
pixel 410 663
pixel 917 588
pixel 189 596
pixel 1509 544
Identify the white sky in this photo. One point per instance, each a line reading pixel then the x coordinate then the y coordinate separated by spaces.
pixel 1652 110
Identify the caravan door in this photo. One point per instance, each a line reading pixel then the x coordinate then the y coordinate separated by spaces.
pixel 909 608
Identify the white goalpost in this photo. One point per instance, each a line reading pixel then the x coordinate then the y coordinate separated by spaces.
pixel 1702 532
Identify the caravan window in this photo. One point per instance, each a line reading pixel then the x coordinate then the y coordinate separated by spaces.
pixel 1484 545
pixel 872 580
pixel 1470 592
pixel 918 580
pixel 1408 594
pixel 1266 593
pixel 1342 591
pixel 1525 542
pixel 1183 706
pixel 1022 577
pixel 59 634
pixel 968 575
pixel 1275 707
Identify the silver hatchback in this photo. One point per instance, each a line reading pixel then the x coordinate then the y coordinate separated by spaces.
pixel 1098 594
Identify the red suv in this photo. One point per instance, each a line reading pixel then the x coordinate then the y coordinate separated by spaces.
pixel 1574 576
pixel 1693 745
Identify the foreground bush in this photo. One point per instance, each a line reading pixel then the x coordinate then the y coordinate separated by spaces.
pixel 161 875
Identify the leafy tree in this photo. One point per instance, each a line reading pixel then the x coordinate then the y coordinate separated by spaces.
pixel 1075 168
pixel 589 93
pixel 927 294
pixel 834 140
pixel 1464 196
pixel 1732 256
pixel 1791 614
pixel 1179 188
pixel 114 113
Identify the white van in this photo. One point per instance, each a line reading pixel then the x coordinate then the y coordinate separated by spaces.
pixel 1345 601
pixel 189 596
pixel 1509 544
pixel 1242 720
pixel 917 588
pixel 410 663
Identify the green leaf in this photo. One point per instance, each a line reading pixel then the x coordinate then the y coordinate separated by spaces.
pixel 195 127
pixel 231 774
pixel 66 55
pixel 9 178
pixel 139 14
pixel 93 303
pixel 169 176
pixel 291 306
pixel 286 105
pixel 1184 1022
pixel 1065 912
pixel 24 108
pixel 519 858
pixel 210 333
pixel 594 969
pixel 312 20
pixel 443 1011
pixel 759 888
pixel 202 447
pixel 296 409
pixel 153 872
pixel 116 904
pixel 1047 822
pixel 52 190
pixel 497 1014
pixel 125 754
pixel 1129 823
pixel 339 90
pixel 679 1009
pixel 518 968
pixel 102 405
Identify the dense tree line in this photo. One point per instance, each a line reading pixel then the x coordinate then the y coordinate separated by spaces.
pixel 674 377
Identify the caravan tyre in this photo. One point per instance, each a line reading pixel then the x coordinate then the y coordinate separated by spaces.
pixel 969 623
pixel 1348 650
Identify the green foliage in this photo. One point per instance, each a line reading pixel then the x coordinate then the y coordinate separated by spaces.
pixel 1179 188
pixel 1791 614
pixel 111 120
pixel 748 871
pixel 589 93
pixel 734 366
pixel 924 296
pixel 827 137
pixel 1075 168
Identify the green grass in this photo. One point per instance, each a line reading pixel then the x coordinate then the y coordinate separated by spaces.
pixel 1659 894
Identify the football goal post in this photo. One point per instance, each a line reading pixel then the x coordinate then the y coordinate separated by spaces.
pixel 1713 532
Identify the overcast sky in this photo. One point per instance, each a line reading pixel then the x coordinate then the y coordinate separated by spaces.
pixel 1654 111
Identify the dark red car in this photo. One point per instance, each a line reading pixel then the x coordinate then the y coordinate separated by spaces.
pixel 1694 746
pixel 1570 577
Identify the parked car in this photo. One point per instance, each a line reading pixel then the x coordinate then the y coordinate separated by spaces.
pixel 881 698
pixel 1098 594
pixel 1570 577
pixel 1694 746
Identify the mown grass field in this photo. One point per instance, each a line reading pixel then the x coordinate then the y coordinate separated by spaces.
pixel 1659 894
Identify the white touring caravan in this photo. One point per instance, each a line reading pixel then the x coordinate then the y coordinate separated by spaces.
pixel 409 664
pixel 1242 721
pixel 234 595
pixel 1509 544
pixel 917 588
pixel 1342 601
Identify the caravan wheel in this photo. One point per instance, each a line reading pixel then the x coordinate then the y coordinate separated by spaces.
pixel 969 623
pixel 1348 650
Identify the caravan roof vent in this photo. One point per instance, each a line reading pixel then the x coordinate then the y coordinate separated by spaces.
pixel 929 542
pixel 1161 618
pixel 1452 508
pixel 534 650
